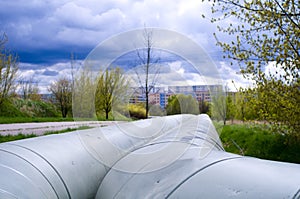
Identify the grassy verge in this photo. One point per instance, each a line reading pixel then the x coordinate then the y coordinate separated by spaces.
pixel 10 120
pixel 67 130
pixel 8 138
pixel 259 141
pixel 113 116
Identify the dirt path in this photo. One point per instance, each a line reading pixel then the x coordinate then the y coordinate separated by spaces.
pixel 44 127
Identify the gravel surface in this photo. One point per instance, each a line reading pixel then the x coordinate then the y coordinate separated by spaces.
pixel 44 127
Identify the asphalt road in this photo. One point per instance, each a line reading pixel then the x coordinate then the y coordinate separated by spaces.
pixel 44 127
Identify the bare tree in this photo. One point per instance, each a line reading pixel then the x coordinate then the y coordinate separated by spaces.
pixel 8 70
pixel 147 76
pixel 62 91
pixel 74 65
pixel 29 88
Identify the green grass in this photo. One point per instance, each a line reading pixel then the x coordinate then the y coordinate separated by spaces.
pixel 259 141
pixel 10 120
pixel 7 108
pixel 113 116
pixel 8 138
pixel 68 130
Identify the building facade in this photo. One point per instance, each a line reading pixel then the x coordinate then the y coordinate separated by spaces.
pixel 159 96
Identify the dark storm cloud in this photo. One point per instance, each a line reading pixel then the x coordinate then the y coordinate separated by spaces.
pixel 51 56
pixel 22 10
pixel 50 73
pixel 45 32
pixel 36 28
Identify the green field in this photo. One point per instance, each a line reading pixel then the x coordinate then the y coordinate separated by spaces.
pixel 259 141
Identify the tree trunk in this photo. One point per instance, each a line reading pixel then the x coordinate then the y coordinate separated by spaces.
pixel 64 112
pixel 147 104
pixel 106 114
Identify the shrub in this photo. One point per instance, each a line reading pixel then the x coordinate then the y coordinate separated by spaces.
pixel 181 104
pixel 156 110
pixel 137 111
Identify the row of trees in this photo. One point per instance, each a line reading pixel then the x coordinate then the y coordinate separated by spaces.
pixel 111 86
pixel 224 106
pixel 11 81
pixel 244 105
pixel 263 33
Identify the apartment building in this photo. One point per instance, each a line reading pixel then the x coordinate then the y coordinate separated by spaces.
pixel 160 96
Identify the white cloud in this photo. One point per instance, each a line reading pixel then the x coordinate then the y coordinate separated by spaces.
pixel 56 21
pixel 274 70
pixel 174 74
pixel 44 74
pixel 59 25
pixel 177 67
pixel 87 19
pixel 26 74
pixel 232 78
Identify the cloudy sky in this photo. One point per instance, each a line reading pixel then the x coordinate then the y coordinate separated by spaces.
pixel 45 32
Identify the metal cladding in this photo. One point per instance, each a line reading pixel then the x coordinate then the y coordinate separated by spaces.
pixel 71 165
pixel 191 163
pixel 167 157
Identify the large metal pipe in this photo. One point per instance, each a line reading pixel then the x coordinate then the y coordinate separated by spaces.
pixel 72 165
pixel 168 157
pixel 199 169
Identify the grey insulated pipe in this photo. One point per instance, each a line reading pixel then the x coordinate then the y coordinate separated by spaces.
pixel 72 165
pixel 193 164
pixel 167 157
